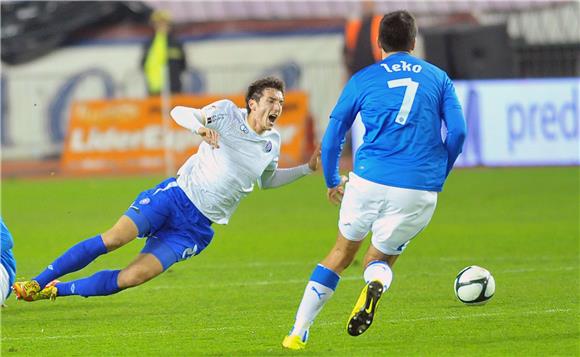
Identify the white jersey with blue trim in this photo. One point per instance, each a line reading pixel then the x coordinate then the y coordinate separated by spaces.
pixel 215 180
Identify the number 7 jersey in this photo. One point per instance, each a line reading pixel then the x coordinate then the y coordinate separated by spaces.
pixel 402 101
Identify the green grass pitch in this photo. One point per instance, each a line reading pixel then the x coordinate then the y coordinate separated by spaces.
pixel 239 296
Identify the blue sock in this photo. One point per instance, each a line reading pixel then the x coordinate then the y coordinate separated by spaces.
pixel 99 284
pixel 77 257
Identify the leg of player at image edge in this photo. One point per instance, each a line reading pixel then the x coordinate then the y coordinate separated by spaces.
pixel 319 290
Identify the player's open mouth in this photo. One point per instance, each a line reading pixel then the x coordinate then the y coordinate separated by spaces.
pixel 272 118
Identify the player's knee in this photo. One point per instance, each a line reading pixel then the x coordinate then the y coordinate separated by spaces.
pixel 122 233
pixel 131 278
pixel 112 240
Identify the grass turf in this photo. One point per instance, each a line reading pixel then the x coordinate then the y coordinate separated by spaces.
pixel 239 296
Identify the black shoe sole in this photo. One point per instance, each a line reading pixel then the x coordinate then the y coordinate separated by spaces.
pixel 362 320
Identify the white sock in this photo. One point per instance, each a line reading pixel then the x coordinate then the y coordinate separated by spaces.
pixel 318 291
pixel 314 298
pixel 379 270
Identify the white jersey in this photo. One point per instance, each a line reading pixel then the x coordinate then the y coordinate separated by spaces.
pixel 215 180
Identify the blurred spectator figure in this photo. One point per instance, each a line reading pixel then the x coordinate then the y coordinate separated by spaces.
pixel 8 266
pixel 163 50
pixel 361 49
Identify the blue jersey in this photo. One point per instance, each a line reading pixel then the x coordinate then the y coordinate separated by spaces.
pixel 402 101
pixel 7 258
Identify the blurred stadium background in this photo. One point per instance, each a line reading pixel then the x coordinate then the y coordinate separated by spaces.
pixel 81 137
pixel 55 54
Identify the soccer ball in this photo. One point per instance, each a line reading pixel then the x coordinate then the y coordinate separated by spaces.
pixel 474 285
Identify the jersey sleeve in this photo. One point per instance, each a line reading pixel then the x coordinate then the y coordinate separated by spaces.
pixel 341 119
pixel 218 113
pixel 189 118
pixel 455 122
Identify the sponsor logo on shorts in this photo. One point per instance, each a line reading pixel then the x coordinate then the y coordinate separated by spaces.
pixel 189 252
pixel 145 201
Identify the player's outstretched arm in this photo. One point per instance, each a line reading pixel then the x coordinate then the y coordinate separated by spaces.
pixel 194 119
pixel 280 177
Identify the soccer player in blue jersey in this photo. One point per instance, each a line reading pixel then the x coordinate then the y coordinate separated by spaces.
pixel 8 266
pixel 399 169
pixel 241 147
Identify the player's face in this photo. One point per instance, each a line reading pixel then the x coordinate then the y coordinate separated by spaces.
pixel 267 109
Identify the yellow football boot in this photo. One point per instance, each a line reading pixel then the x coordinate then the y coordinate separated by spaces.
pixel 30 290
pixel 364 310
pixel 26 290
pixel 293 342
pixel 48 293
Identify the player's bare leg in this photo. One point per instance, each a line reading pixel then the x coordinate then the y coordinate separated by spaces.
pixel 123 232
pixel 144 268
pixel 341 255
pixel 374 254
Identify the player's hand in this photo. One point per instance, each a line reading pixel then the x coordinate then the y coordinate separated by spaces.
pixel 335 194
pixel 314 162
pixel 210 136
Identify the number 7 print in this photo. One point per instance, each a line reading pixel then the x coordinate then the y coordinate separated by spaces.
pixel 410 91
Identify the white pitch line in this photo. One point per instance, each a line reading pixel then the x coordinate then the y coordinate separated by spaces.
pixel 235 328
pixel 352 278
pixel 314 262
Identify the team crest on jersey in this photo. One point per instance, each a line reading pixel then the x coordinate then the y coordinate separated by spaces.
pixel 268 146
pixel 244 128
pixel 145 201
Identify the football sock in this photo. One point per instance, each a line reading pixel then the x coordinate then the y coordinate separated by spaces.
pixel 77 257
pixel 319 289
pixel 99 284
pixel 379 270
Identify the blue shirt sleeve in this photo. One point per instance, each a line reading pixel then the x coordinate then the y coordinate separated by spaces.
pixel 455 123
pixel 341 120
pixel 6 241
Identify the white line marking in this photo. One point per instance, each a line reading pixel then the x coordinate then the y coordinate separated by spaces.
pixel 352 278
pixel 237 328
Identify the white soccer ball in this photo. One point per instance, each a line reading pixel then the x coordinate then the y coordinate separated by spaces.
pixel 474 285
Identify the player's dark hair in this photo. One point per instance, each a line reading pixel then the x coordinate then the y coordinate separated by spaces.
pixel 397 31
pixel 256 89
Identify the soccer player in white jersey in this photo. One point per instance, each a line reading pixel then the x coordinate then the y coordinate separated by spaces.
pixel 398 171
pixel 241 147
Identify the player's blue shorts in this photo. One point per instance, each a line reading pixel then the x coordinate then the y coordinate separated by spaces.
pixel 175 229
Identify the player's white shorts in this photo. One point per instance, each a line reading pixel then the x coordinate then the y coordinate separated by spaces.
pixel 394 215
pixel 4 284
